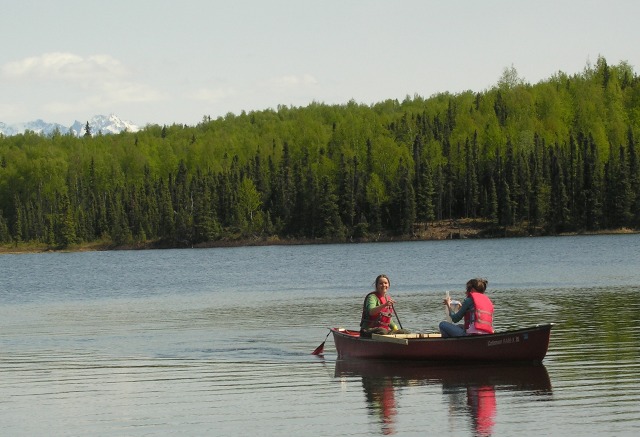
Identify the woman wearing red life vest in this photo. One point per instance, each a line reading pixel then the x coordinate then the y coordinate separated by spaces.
pixel 477 310
pixel 377 310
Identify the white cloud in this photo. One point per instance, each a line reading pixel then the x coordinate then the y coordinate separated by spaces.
pixel 130 92
pixel 66 67
pixel 105 98
pixel 66 83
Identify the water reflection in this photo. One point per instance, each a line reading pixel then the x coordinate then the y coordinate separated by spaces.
pixel 381 401
pixel 469 390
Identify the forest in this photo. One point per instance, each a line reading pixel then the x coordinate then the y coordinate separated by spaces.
pixel 559 156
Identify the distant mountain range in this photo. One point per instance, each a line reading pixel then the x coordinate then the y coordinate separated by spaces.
pixel 99 124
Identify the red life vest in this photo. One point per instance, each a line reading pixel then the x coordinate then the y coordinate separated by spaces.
pixel 382 320
pixel 482 315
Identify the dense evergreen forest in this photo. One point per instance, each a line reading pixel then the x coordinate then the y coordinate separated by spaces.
pixel 557 156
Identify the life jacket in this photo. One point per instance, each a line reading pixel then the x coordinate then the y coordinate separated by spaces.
pixel 482 315
pixel 382 320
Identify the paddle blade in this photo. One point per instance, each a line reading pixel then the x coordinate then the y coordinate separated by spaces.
pixel 320 349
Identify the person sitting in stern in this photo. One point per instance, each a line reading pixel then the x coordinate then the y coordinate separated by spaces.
pixel 477 310
pixel 377 310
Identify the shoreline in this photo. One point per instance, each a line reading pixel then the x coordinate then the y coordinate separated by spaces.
pixel 436 231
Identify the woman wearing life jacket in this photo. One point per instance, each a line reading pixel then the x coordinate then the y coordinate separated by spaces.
pixel 477 310
pixel 377 310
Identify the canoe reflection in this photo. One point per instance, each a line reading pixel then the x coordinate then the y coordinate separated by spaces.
pixel 470 390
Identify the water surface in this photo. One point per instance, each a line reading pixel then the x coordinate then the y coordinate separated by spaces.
pixel 218 341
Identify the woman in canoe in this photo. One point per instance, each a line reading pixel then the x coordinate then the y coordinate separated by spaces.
pixel 476 309
pixel 377 310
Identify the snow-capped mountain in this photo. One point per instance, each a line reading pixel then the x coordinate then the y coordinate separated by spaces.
pixel 37 126
pixel 111 124
pixel 107 125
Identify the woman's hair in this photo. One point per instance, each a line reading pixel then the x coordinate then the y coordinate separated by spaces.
pixel 375 283
pixel 478 284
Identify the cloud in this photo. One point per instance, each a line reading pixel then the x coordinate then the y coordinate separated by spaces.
pixel 108 96
pixel 66 67
pixel 66 83
pixel 130 92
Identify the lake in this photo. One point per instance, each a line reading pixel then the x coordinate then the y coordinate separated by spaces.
pixel 218 341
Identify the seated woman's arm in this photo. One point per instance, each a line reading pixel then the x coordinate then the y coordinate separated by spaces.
pixel 467 305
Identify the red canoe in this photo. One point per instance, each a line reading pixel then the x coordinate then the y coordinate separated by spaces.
pixel 521 345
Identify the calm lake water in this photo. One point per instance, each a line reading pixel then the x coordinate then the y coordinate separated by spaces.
pixel 218 341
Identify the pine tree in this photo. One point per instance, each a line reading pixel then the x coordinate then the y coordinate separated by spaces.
pixel 634 178
pixel 558 211
pixel 331 225
pixel 67 232
pixel 591 193
pixel 5 234
pixel 18 223
pixel 425 209
pixel 403 207
pixel 472 191
pixel 346 191
pixel 492 201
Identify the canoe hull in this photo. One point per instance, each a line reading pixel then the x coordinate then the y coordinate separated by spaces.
pixel 521 345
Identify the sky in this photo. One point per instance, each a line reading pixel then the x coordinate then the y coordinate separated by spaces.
pixel 165 62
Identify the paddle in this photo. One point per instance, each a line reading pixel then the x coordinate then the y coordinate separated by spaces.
pixel 397 318
pixel 320 349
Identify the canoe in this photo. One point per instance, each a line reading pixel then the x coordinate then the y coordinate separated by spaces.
pixel 519 345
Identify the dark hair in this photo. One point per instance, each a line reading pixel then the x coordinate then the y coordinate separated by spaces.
pixel 375 283
pixel 478 284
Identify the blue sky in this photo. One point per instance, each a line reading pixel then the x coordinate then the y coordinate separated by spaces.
pixel 164 62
